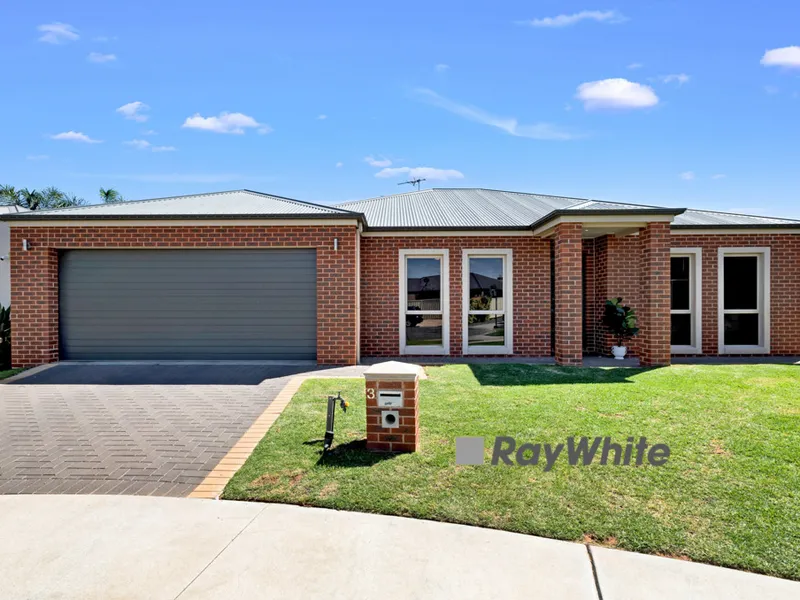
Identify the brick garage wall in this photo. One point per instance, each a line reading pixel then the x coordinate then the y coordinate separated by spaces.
pixel 784 285
pixel 34 276
pixel 380 288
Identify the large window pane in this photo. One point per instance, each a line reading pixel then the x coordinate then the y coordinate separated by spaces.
pixel 486 283
pixel 423 330
pixel 680 272
pixel 424 284
pixel 741 282
pixel 486 330
pixel 681 330
pixel 741 330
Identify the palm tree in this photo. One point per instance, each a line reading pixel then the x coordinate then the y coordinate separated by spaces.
pixel 110 195
pixel 31 199
pixel 9 194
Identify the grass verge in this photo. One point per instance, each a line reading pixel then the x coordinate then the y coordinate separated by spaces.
pixel 729 495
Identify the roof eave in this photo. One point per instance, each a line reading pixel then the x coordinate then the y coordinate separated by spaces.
pixel 33 216
pixel 449 228
pixel 589 212
pixel 740 226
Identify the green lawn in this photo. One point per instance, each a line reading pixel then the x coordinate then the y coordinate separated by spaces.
pixel 729 494
pixel 9 373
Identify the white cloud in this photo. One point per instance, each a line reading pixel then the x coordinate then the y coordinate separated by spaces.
pixel 634 66
pixel 58 33
pixel 322 117
pixel 98 57
pixel 601 16
pixel 771 89
pixel 687 175
pixel 441 68
pixel 133 111
pixel 339 165
pixel 782 57
pixel 145 145
pixel 680 78
pixel 37 157
pixel 225 123
pixel 719 176
pixel 616 93
pixel 421 173
pixel 537 131
pixel 149 132
pixel 138 144
pixel 74 136
pixel 375 162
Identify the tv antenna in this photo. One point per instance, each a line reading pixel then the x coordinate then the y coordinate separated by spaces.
pixel 415 182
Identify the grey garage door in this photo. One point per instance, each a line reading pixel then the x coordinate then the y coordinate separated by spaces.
pixel 188 304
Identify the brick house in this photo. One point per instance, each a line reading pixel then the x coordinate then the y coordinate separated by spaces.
pixel 442 272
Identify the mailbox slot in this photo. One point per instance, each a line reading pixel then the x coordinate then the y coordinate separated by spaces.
pixel 390 398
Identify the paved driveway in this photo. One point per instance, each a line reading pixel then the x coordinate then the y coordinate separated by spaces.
pixel 127 429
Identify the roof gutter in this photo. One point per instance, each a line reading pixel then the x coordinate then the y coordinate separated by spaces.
pixel 589 212
pixel 64 216
pixel 744 226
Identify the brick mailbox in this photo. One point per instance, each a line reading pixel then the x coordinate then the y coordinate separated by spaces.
pixel 393 407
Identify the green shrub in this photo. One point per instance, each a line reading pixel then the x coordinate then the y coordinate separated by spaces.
pixel 620 320
pixel 5 338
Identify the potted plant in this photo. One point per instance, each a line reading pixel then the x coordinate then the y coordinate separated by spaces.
pixel 5 338
pixel 621 323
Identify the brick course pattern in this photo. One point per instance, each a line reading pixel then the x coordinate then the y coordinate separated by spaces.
pixel 655 294
pixel 34 276
pixel 380 290
pixel 784 285
pixel 568 247
pixel 404 438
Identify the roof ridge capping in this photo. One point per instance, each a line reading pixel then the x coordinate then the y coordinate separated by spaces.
pixel 330 207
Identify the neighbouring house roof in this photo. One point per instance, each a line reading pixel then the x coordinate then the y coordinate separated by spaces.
pixel 11 208
pixel 476 208
pixel 239 204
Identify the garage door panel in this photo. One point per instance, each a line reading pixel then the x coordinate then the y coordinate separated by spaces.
pixel 188 304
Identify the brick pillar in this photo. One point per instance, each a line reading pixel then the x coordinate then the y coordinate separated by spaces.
pixel 655 300
pixel 392 390
pixel 34 300
pixel 568 248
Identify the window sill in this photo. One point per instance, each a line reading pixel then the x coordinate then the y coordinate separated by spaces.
pixel 424 351
pixel 685 350
pixel 744 350
pixel 488 350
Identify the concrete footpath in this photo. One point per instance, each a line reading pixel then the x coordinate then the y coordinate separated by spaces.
pixel 131 547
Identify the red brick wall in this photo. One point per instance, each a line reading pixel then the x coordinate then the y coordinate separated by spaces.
pixel 380 289
pixel 784 285
pixel 655 294
pixel 34 276
pixel 618 272
pixel 569 293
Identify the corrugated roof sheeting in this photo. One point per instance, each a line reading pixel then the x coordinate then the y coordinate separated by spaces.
pixel 458 208
pixel 241 202
pixel 716 219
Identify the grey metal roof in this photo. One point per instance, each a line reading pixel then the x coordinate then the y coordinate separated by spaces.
pixel 709 218
pixel 11 208
pixel 476 208
pixel 236 204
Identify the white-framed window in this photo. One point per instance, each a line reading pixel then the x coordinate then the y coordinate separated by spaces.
pixel 424 302
pixel 744 281
pixel 487 301
pixel 686 310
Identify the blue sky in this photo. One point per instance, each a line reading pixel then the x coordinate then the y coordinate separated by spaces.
pixel 673 103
